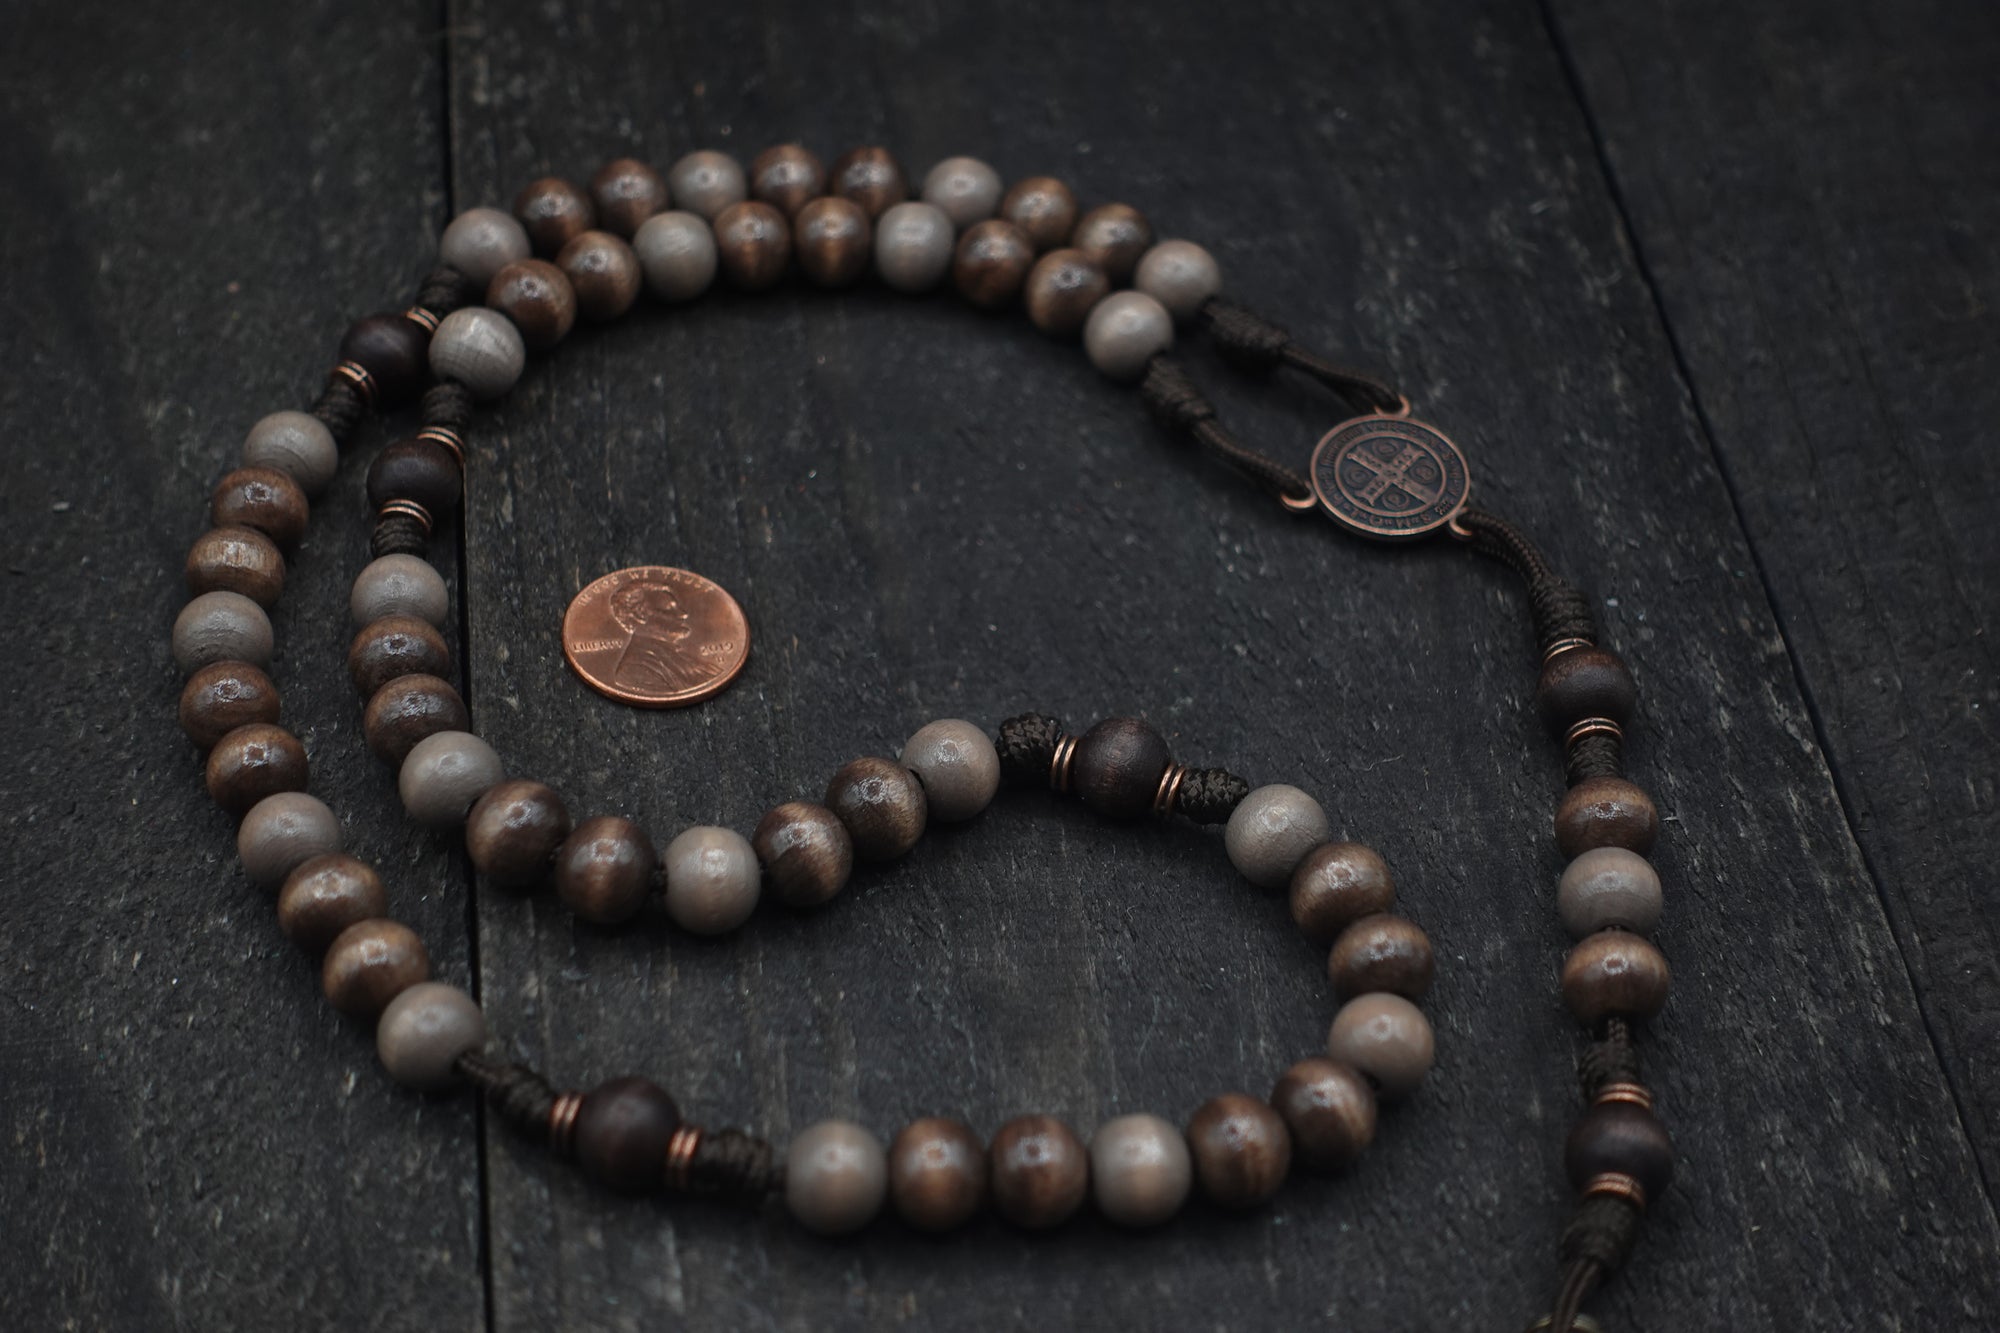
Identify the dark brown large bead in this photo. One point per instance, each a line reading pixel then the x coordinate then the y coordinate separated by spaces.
pixel 605 868
pixel 326 895
pixel 1241 1149
pixel 603 272
pixel 626 193
pixel 937 1173
pixel 223 696
pixel 236 560
pixel 806 853
pixel 753 243
pixel 1620 1138
pixel 622 1132
pixel 1329 1109
pixel 395 646
pixel 1043 208
pixel 871 178
pixel 553 211
pixel 1114 235
pixel 407 709
pixel 1336 885
pixel 1041 1171
pixel 1381 953
pixel 882 805
pixel 1614 974
pixel 991 263
pixel 786 176
pixel 1606 812
pixel 536 295
pixel 396 353
pixel 1061 290
pixel 253 762
pixel 371 963
pixel 834 241
pixel 513 832
pixel 1583 683
pixel 1117 767
pixel 416 469
pixel 260 498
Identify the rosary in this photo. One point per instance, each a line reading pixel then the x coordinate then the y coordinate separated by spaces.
pixel 659 637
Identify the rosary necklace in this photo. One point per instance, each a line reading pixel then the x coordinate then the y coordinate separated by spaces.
pixel 512 283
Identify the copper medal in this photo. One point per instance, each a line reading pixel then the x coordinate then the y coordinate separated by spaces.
pixel 1389 477
pixel 656 637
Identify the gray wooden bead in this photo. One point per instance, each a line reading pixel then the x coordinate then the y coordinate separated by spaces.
pixel 482 241
pixel 677 252
pixel 958 766
pixel 221 627
pixel 282 833
pixel 1124 332
pixel 965 188
pixel 1140 1170
pixel 836 1176
pixel 913 245
pixel 1385 1037
pixel 1180 275
pixel 399 585
pixel 706 182
pixel 444 774
pixel 1271 832
pixel 1605 887
pixel 712 880
pixel 423 1032
pixel 297 444
pixel 481 348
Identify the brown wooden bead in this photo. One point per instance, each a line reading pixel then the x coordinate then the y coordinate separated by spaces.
pixel 1606 812
pixel 753 243
pixel 1614 974
pixel 1336 885
pixel 871 178
pixel 326 895
pixel 223 696
pixel 991 263
pixel 236 560
pixel 834 240
pixel 1041 1171
pixel 553 212
pixel 1117 767
pixel 407 709
pixel 394 350
pixel 261 498
pixel 1043 208
pixel 1583 683
pixel 416 469
pixel 371 963
pixel 882 805
pixel 1241 1148
pixel 1381 953
pixel 1061 289
pixel 603 272
pixel 626 193
pixel 1620 1138
pixel 514 831
pixel 937 1173
pixel 805 851
pixel 536 295
pixel 786 176
pixel 622 1132
pixel 605 868
pixel 395 646
pixel 1114 235
pixel 253 762
pixel 1329 1109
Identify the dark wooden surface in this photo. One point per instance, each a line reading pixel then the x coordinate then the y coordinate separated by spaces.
pixel 1712 307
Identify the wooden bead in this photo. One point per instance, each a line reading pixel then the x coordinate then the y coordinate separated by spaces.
pixel 1043 208
pixel 480 349
pixel 937 1173
pixel 371 963
pixel 1620 1138
pixel 394 350
pixel 395 646
pixel 253 762
pixel 423 1032
pixel 753 243
pixel 480 242
pixel 957 764
pixel 835 1177
pixel 626 192
pixel 536 295
pixel 552 211
pixel 603 272
pixel 1241 1149
pixel 1272 831
pixel 1041 1171
pixel 786 176
pixel 223 696
pixel 281 833
pixel 913 247
pixel 991 263
pixel 399 585
pixel 1115 236
pixel 513 832
pixel 712 882
pixel 445 774
pixel 605 868
pixel 1125 331
pixel 416 469
pixel 1140 1170
pixel 297 444
pixel 871 178
pixel 882 805
pixel 221 627
pixel 1180 275
pixel 965 188
pixel 834 241
pixel 622 1132
pixel 1117 767
pixel 1329 1109
pixel 676 250
pixel 261 498
pixel 241 560
pixel 1381 953
pixel 706 182
pixel 1583 683
pixel 324 896
pixel 1607 887
pixel 1387 1038
pixel 1061 290
pixel 806 853
pixel 1606 812
pixel 406 710
pixel 1336 885
pixel 1614 974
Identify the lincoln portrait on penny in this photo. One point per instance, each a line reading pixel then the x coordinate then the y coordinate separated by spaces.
pixel 657 657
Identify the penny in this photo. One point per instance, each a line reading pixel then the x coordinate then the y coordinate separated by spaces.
pixel 1390 478
pixel 656 637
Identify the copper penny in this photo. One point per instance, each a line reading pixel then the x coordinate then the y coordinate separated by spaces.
pixel 1390 478
pixel 656 637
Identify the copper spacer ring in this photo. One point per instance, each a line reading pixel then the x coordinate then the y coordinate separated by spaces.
pixel 562 1122
pixel 357 374
pixel 422 318
pixel 408 509
pixel 1059 764
pixel 1561 646
pixel 448 439
pixel 1593 726
pixel 680 1155
pixel 1629 1094
pixel 1616 1185
pixel 1170 789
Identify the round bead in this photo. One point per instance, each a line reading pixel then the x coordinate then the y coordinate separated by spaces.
pixel 444 774
pixel 1606 812
pixel 913 244
pixel 1605 887
pixel 1062 289
pixel 513 831
pixel 479 243
pixel 992 263
pixel 236 560
pixel 479 348
pixel 937 1174
pixel 1271 832
pixel 1614 974
pixel 283 832
pixel 407 709
pixel 1581 683
pixel 833 240
pixel 835 1177
pixel 551 210
pixel 753 243
pixel 221 627
pixel 1117 767
pixel 1329 1109
pixel 1124 332
pixel 536 295
pixel 1180 275
pixel 786 176
pixel 1336 885
pixel 223 696
pixel 371 963
pixel 605 868
pixel 871 178
pixel 326 895
pixel 958 766
pixel 416 469
pixel 1241 1149
pixel 965 188
pixel 1381 953
pixel 1043 208
pixel 677 253
pixel 1140 1171
pixel 253 762
pixel 706 182
pixel 882 805
pixel 390 347
pixel 603 272
pixel 622 1132
pixel 422 1033
pixel 297 444
pixel 1115 235
pixel 1620 1138
pixel 627 193
pixel 712 880
pixel 395 646
pixel 399 585
pixel 1387 1038
pixel 1041 1171
pixel 805 851
pixel 261 498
